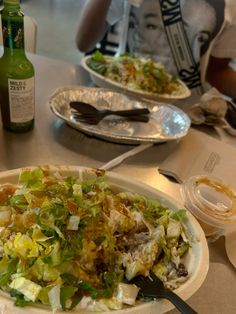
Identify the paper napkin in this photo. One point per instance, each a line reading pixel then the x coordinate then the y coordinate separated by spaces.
pixel 210 109
pixel 198 153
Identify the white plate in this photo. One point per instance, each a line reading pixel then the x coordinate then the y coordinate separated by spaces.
pixel 230 246
pixel 104 82
pixel 197 260
pixel 166 122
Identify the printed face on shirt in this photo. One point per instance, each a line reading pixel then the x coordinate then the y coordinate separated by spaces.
pixel 199 21
pixel 146 31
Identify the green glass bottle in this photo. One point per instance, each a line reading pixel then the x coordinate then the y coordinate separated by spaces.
pixel 17 85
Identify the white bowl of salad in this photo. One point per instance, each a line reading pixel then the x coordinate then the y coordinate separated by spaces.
pixel 72 238
pixel 135 76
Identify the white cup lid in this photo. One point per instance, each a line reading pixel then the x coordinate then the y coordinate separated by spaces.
pixel 210 200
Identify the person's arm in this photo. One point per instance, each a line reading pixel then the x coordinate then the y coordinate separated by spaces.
pixel 92 24
pixel 222 76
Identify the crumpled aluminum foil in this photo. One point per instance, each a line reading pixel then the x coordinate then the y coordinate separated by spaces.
pixel 166 122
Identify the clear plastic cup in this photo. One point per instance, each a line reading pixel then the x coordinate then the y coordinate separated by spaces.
pixel 212 202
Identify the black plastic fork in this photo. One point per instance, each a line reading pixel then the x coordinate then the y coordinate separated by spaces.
pixel 95 119
pixel 153 287
pixel 89 114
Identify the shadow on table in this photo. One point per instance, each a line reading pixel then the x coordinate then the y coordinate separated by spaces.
pixel 105 151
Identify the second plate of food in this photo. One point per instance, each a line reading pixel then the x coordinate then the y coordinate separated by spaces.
pixel 166 122
pixel 138 77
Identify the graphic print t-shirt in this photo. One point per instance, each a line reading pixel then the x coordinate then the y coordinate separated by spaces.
pixel 203 21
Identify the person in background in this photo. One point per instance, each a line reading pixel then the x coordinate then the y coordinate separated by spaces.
pixel 146 34
pixel 210 26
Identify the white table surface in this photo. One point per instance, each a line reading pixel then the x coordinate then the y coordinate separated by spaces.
pixel 53 142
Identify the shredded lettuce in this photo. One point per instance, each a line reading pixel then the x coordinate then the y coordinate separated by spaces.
pixel 32 179
pixel 72 243
pixel 179 215
pixel 136 73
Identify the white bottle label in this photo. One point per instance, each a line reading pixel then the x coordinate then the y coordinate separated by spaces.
pixel 21 100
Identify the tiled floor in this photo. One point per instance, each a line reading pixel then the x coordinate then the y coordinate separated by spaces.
pixel 57 23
